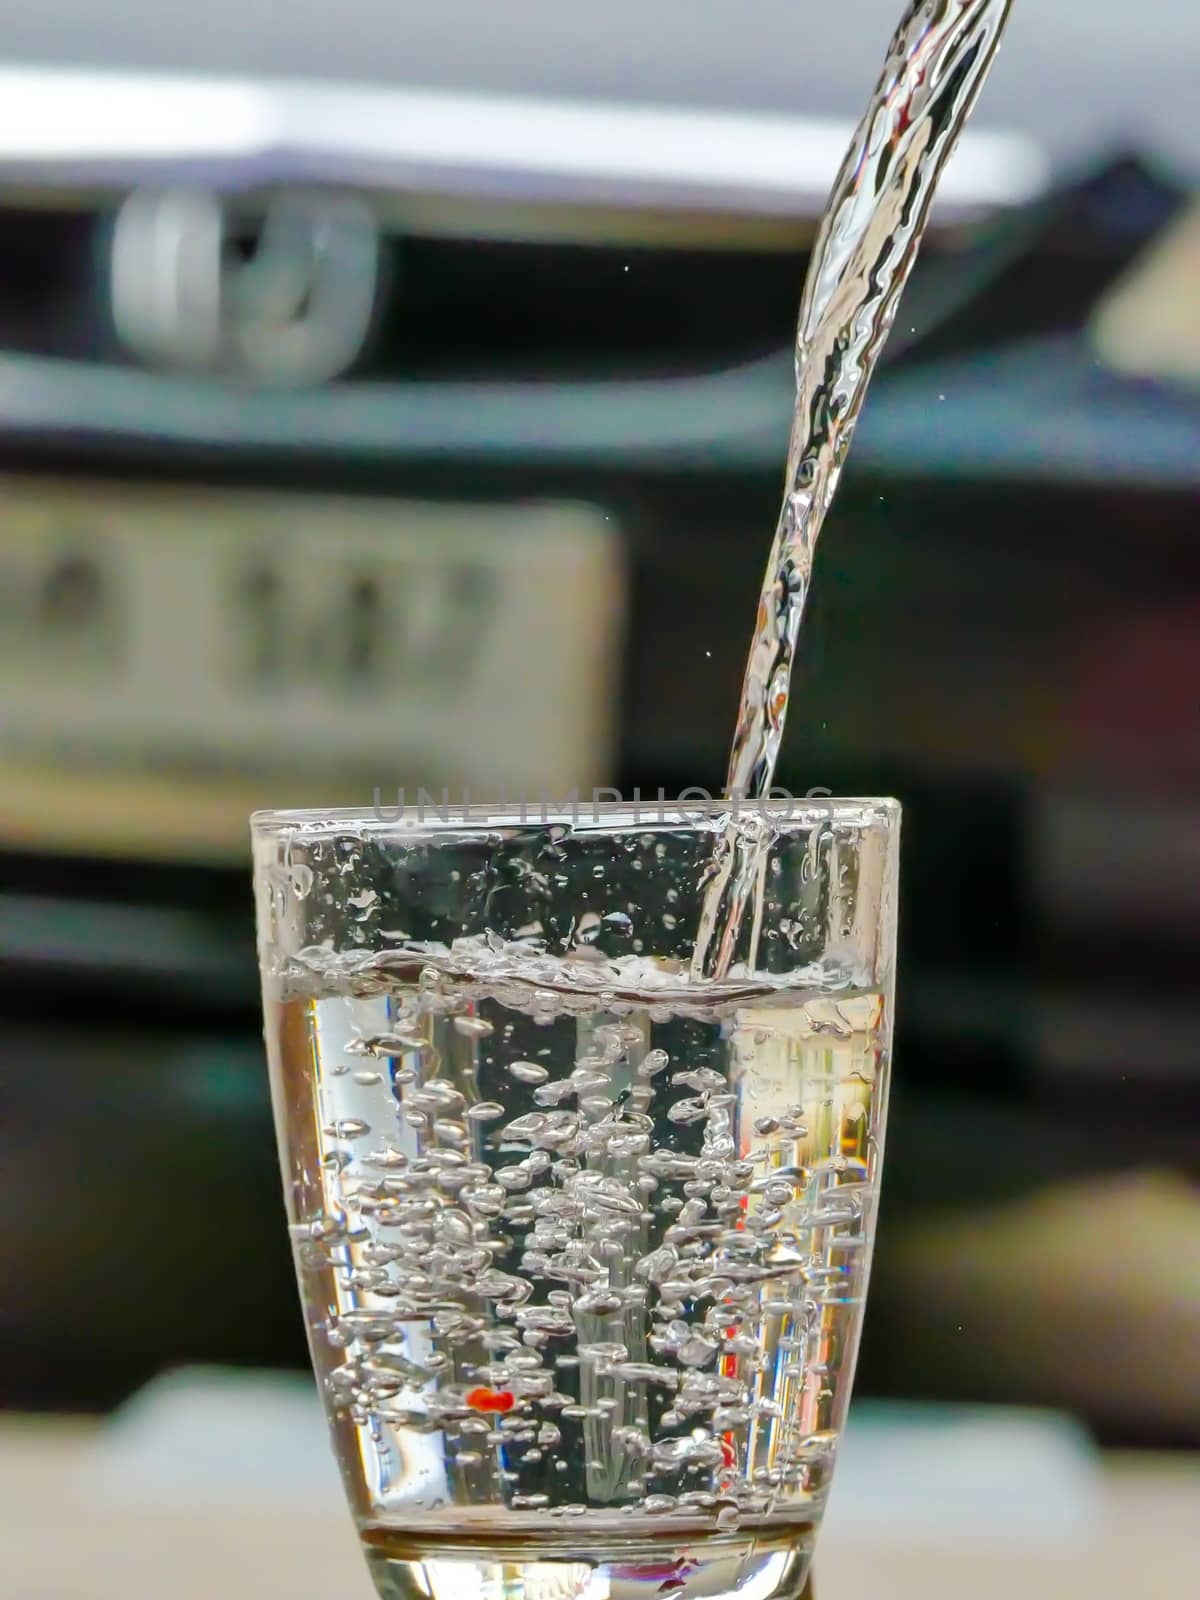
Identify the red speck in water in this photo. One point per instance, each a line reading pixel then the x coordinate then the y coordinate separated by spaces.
pixel 491 1400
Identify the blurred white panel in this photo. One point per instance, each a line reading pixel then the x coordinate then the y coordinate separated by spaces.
pixel 917 1475
pixel 212 1436
pixel 1080 76
pixel 460 142
pixel 971 1476
pixel 176 657
pixel 1148 325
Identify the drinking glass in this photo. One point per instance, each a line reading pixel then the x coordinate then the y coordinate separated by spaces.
pixel 582 1237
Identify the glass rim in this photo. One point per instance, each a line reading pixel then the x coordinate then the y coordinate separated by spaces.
pixel 591 815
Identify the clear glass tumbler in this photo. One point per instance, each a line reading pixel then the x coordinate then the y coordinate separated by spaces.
pixel 582 1238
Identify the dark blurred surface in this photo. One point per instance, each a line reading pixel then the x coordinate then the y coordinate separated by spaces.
pixel 1003 633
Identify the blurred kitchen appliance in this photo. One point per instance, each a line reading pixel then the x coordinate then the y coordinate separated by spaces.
pixel 418 313
pixel 305 388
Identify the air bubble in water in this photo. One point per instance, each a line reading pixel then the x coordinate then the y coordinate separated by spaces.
pixel 570 1250
pixel 485 1111
pixel 473 1027
pixel 527 1072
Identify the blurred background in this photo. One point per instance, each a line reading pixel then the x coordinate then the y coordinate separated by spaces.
pixel 397 395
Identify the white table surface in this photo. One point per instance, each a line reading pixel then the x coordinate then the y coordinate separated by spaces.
pixel 67 1534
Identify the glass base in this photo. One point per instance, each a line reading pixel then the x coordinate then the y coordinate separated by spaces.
pixel 756 1565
